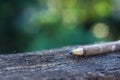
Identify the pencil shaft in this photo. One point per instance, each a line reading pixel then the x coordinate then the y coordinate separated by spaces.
pixel 98 48
pixel 101 48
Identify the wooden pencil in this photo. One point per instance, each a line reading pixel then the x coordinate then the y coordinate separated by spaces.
pixel 96 49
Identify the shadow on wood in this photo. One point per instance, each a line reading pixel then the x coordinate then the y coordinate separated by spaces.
pixel 56 64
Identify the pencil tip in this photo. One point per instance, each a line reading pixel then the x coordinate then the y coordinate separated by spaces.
pixel 70 52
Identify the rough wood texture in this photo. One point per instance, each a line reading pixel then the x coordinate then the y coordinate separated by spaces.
pixel 56 64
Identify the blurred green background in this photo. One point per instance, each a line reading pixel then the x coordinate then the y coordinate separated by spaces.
pixel 32 25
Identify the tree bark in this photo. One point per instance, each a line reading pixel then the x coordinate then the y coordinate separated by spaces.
pixel 56 64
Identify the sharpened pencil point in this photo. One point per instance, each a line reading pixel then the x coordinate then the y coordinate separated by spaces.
pixel 70 52
pixel 78 52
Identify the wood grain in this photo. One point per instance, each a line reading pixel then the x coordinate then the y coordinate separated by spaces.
pixel 56 64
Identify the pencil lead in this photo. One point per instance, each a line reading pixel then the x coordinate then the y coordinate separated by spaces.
pixel 70 52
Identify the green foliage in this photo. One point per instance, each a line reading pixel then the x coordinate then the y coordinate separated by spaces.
pixel 30 25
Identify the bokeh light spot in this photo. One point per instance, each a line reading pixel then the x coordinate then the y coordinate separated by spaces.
pixel 100 30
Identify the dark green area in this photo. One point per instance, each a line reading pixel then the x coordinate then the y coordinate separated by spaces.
pixel 31 25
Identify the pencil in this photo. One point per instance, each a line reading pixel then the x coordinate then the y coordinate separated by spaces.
pixel 96 49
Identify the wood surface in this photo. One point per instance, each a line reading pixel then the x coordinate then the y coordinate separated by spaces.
pixel 56 64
